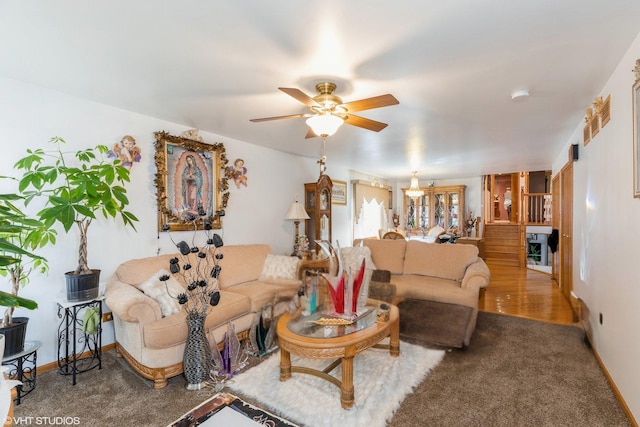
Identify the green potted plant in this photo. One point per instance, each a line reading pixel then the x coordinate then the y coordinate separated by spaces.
pixel 20 235
pixel 76 186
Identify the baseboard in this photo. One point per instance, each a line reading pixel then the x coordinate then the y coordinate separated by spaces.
pixel 625 408
pixel 54 365
pixel 584 316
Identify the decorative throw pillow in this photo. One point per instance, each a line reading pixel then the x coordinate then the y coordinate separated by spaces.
pixel 279 267
pixel 164 293
pixel 352 258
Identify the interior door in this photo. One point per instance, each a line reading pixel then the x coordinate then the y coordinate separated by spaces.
pixel 555 223
pixel 566 230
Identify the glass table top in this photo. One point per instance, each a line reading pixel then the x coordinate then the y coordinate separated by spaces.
pixel 306 325
pixel 29 347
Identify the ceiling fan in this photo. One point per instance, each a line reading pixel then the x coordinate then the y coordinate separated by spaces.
pixel 328 112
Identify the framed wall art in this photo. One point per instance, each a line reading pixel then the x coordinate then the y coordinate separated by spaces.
pixel 586 133
pixel 339 193
pixel 587 128
pixel 595 125
pixel 603 109
pixel 191 186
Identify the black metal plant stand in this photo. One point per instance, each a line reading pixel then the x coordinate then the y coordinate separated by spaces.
pixel 22 367
pixel 78 350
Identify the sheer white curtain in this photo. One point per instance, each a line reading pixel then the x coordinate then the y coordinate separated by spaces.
pixel 373 217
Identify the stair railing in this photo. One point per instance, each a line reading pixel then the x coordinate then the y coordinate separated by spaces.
pixel 537 208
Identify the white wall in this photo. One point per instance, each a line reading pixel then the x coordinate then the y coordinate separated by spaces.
pixel 606 232
pixel 30 116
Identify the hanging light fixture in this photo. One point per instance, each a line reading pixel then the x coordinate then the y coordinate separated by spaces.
pixel 324 124
pixel 414 190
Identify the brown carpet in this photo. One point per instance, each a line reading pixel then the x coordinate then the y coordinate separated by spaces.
pixel 515 372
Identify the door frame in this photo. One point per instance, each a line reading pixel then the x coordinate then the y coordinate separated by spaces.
pixel 565 247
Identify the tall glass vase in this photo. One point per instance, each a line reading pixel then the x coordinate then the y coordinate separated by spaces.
pixel 197 353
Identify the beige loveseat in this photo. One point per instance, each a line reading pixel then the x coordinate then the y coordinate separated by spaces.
pixel 448 275
pixel 153 344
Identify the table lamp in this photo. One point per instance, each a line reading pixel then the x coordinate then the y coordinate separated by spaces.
pixel 296 213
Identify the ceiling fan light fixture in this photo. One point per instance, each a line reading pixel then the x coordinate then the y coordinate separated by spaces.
pixel 414 190
pixel 325 124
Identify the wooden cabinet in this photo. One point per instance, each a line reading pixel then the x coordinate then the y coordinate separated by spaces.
pixel 475 241
pixel 441 206
pixel 317 203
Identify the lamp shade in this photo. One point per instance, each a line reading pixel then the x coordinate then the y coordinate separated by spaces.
pixel 296 212
pixel 325 124
pixel 414 190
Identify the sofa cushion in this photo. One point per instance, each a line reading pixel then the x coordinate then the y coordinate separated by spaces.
pixel 241 263
pixel 352 258
pixel 279 267
pixel 387 254
pixel 172 330
pixel 262 293
pixel 164 293
pixel 433 289
pixel 444 261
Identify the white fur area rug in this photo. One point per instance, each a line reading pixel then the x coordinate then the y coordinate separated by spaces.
pixel 381 383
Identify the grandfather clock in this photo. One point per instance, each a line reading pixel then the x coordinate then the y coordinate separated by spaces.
pixel 317 203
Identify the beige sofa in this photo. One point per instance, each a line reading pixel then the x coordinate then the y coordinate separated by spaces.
pixel 251 277
pixel 449 275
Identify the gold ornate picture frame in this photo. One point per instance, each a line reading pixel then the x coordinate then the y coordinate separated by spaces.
pixel 190 182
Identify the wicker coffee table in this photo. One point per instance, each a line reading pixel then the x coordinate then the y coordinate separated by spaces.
pixel 299 335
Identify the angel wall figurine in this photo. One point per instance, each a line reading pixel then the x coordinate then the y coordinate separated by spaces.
pixel 238 173
pixel 126 151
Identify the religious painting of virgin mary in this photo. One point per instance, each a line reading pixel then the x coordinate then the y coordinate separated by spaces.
pixel 190 182
pixel 192 194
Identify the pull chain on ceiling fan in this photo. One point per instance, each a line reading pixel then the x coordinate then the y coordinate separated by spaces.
pixel 328 112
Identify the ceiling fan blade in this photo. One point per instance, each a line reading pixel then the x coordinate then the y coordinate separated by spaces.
pixel 291 116
pixel 365 123
pixel 300 96
pixel 310 134
pixel 369 103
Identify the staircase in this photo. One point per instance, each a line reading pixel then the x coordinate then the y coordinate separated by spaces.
pixel 502 244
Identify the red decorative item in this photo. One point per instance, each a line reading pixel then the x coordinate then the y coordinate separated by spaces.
pixel 337 295
pixel 357 284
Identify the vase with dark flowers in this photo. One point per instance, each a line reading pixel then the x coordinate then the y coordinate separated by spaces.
pixel 469 223
pixel 199 269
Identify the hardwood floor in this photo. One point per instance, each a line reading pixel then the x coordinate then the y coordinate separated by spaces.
pixel 522 292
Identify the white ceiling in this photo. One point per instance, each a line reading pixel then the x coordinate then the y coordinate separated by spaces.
pixel 213 65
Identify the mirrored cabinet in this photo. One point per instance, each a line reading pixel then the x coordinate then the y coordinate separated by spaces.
pixel 441 206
